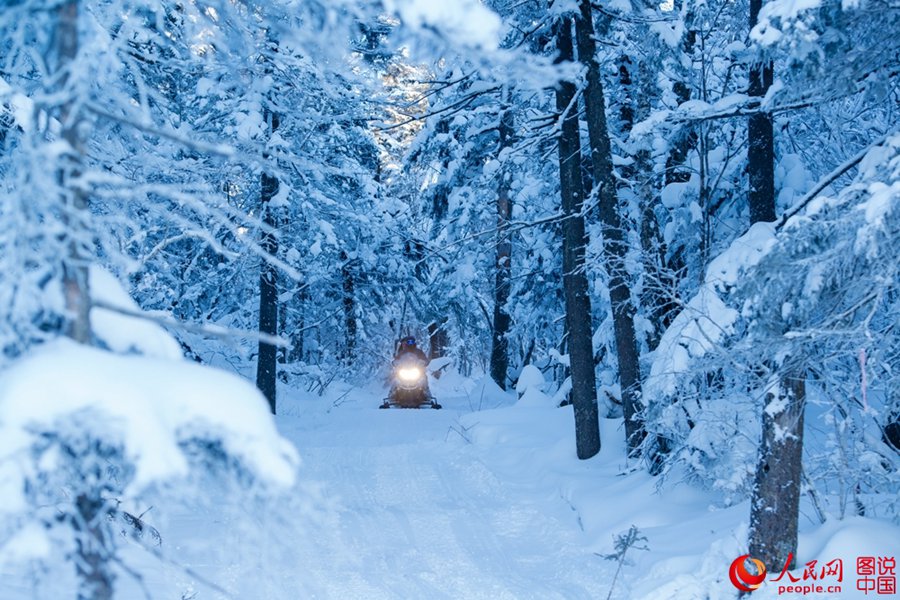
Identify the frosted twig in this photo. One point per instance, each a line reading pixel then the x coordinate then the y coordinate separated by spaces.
pixel 752 106
pixel 829 179
pixel 138 578
pixel 191 573
pixel 624 541
pixel 462 431
pixel 813 496
pixel 511 227
pixel 212 331
pixel 218 149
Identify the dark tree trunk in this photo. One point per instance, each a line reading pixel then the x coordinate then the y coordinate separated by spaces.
pixel 76 290
pixel 95 578
pixel 564 371
pixel 298 334
pixel 761 152
pixel 439 198
pixel 6 124
pixel 282 326
pixel 614 241
pixel 267 363
pixel 575 285
pixel 661 271
pixel 775 508
pixel 686 139
pixel 659 285
pixel 438 339
pixel 501 322
pixel 626 88
pixel 664 271
pixel 775 503
pixel 349 305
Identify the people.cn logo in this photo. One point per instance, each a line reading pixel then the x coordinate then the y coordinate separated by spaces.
pixel 743 579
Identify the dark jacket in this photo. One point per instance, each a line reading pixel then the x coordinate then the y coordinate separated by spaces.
pixel 414 350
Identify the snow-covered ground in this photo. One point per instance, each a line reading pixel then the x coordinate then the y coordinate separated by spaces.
pixel 483 499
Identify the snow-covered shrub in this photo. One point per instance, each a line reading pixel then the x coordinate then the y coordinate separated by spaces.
pixel 835 304
pixel 697 410
pixel 821 290
pixel 85 434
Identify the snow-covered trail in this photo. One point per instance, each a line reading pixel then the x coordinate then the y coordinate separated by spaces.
pixel 419 514
pixel 484 499
pixel 391 504
pixel 466 502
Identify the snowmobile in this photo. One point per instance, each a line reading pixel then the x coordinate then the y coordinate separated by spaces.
pixel 409 384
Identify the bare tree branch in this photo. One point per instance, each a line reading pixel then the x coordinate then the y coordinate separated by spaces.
pixel 208 330
pixel 829 179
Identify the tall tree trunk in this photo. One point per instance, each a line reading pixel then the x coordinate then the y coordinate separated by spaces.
pixel 348 285
pixel 440 193
pixel 686 140
pixel 267 364
pixel 775 507
pixel 298 331
pixel 501 322
pixel 6 124
pixel 96 580
pixel 635 105
pixel 761 152
pixel 438 338
pixel 75 282
pixel 659 297
pixel 614 242
pixel 282 326
pixel 575 285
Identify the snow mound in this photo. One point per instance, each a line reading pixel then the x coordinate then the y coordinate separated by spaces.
pixel 149 408
pixel 486 394
pixel 530 389
pixel 530 378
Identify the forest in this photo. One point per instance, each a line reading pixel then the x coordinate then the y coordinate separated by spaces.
pixel 649 250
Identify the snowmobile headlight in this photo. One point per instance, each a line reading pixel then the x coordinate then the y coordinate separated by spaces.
pixel 410 374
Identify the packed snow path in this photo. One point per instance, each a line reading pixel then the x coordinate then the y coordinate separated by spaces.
pixel 420 514
pixel 466 502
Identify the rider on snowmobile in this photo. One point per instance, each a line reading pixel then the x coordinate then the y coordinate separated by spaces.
pixel 408 346
pixel 410 365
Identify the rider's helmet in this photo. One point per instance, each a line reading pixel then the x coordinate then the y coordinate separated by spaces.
pixel 409 341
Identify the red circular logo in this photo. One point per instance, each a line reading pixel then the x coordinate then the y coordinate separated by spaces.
pixel 743 579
